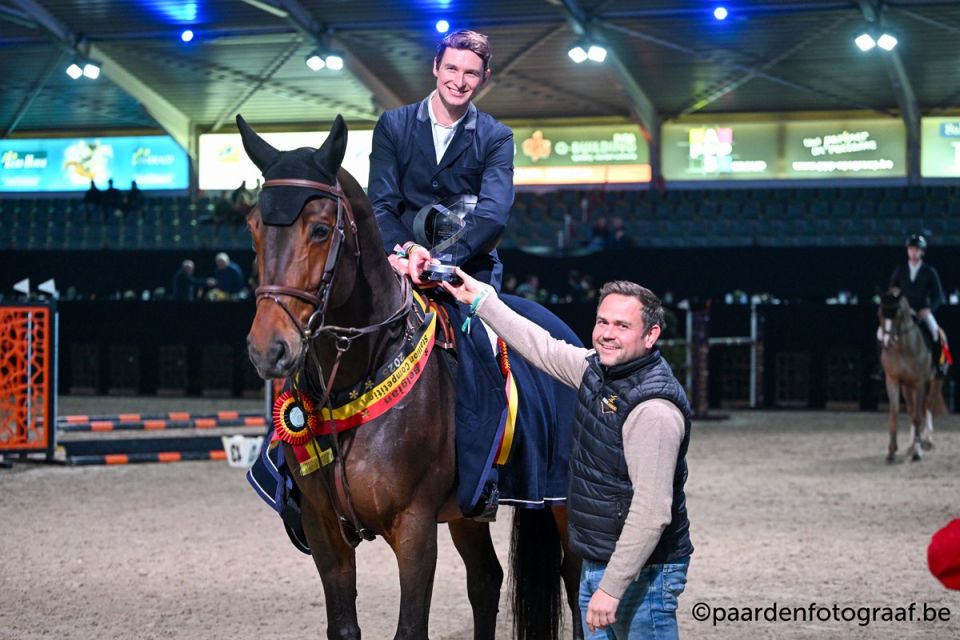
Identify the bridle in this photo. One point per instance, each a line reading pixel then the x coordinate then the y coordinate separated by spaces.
pixel 343 336
pixel 890 330
pixel 320 299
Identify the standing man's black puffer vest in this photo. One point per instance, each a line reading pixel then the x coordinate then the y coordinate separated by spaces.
pixel 600 491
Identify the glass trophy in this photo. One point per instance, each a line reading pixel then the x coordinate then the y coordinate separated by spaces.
pixel 438 227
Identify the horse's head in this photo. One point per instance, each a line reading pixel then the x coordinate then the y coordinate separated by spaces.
pixel 301 226
pixel 892 304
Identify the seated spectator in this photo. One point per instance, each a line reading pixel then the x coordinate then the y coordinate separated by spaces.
pixel 599 234
pixel 93 201
pixel 509 283
pixel 227 281
pixel 242 200
pixel 618 238
pixel 529 288
pixel 134 198
pixel 223 211
pixel 112 200
pixel 185 285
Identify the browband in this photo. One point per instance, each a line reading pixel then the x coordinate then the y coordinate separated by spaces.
pixel 308 184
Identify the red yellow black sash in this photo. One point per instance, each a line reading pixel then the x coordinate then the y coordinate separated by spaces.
pixel 299 422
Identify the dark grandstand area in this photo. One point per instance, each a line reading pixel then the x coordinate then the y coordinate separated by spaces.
pixel 820 152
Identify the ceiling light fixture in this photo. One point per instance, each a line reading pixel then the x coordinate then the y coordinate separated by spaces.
pixel 886 42
pixel 865 42
pixel 583 51
pixel 83 69
pixel 320 59
pixel 577 53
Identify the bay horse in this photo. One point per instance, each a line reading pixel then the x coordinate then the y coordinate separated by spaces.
pixel 330 312
pixel 908 367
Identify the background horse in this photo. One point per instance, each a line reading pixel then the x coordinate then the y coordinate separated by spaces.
pixel 330 312
pixel 907 365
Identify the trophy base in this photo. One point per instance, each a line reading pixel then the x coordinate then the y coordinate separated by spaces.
pixel 441 272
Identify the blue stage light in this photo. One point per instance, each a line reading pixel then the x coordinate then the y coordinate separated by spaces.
pixel 186 35
pixel 443 26
pixel 720 13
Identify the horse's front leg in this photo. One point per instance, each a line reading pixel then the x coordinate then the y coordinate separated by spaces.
pixel 893 399
pixel 337 564
pixel 414 541
pixel 484 574
pixel 916 412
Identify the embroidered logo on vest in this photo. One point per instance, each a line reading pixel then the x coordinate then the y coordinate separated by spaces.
pixel 608 404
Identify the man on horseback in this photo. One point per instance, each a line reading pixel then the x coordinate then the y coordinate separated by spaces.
pixel 625 503
pixel 919 283
pixel 433 151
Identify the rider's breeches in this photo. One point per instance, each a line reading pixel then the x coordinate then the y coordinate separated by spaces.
pixel 927 317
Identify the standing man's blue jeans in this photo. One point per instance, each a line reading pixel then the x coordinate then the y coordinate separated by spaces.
pixel 648 608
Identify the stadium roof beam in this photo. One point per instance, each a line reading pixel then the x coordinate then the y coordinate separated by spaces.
pixel 512 62
pixel 903 91
pixel 303 21
pixel 640 104
pixel 169 117
pixel 268 73
pixel 732 84
pixel 34 93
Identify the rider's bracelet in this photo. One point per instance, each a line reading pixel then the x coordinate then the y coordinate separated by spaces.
pixel 408 247
pixel 399 251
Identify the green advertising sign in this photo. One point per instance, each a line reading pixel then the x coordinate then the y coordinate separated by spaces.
pixel 580 154
pixel 844 149
pixel 742 151
pixel 940 147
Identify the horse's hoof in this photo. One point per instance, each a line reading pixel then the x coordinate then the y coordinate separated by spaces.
pixel 891 458
pixel 916 457
pixel 926 444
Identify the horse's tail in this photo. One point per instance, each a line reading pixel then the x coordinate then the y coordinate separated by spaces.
pixel 535 558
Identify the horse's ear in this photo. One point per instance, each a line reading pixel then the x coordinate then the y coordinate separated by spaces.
pixel 329 156
pixel 259 150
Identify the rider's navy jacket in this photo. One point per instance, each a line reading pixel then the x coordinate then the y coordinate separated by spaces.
pixel 925 291
pixel 405 176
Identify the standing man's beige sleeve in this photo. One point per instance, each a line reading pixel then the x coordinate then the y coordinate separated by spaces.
pixel 559 359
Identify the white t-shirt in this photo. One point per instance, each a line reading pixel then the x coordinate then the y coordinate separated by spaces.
pixel 442 133
pixel 914 268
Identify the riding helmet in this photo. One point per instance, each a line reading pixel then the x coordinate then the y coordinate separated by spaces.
pixel 918 241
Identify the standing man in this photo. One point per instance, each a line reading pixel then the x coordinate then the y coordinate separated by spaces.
pixel 626 506
pixel 920 285
pixel 438 150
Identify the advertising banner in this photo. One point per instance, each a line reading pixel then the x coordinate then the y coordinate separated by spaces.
pixel 595 154
pixel 224 163
pixel 742 151
pixel 69 164
pixel 845 149
pixel 940 147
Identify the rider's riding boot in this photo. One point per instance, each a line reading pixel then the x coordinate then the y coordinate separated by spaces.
pixel 486 509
